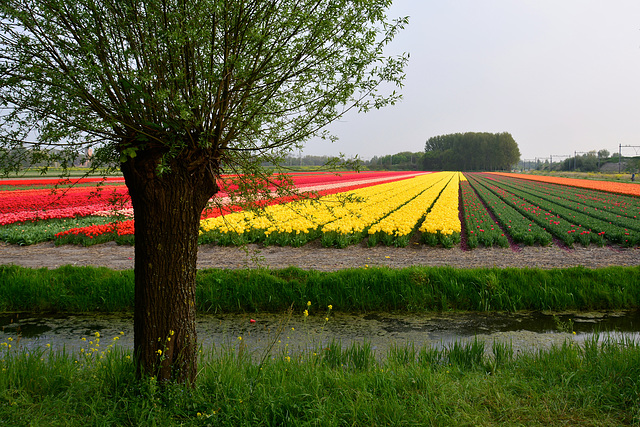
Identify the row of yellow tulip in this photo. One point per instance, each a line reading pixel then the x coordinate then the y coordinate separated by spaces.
pixel 403 221
pixel 301 218
pixel 351 228
pixel 443 220
pixel 343 217
pixel 380 205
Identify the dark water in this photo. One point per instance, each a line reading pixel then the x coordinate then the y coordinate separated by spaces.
pixel 526 331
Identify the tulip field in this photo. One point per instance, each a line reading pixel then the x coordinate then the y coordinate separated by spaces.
pixel 388 208
pixel 387 212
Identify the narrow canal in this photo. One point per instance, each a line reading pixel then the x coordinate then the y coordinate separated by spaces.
pixel 525 331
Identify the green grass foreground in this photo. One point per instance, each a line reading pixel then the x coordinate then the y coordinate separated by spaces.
pixel 597 383
pixel 594 384
pixel 414 289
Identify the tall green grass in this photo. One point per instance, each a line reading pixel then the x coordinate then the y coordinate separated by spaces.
pixel 415 289
pixel 463 384
pixel 65 289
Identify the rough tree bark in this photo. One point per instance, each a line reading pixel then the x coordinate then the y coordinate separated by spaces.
pixel 167 209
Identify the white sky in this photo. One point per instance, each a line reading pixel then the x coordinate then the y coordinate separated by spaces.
pixel 559 75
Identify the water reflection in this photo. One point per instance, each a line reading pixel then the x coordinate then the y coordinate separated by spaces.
pixel 527 331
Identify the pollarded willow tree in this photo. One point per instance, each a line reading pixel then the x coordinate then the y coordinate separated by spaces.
pixel 175 92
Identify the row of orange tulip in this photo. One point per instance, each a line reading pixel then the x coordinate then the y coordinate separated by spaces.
pixel 608 186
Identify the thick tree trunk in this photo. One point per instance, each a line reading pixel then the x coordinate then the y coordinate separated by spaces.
pixel 167 211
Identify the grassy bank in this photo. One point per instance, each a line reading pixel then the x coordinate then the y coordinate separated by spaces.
pixel 415 289
pixel 596 384
pixel 464 383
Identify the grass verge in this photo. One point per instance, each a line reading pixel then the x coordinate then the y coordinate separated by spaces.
pixel 414 289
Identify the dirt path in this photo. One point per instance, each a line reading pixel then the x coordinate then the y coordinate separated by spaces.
pixel 313 256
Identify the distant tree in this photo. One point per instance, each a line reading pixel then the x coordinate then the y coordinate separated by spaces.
pixel 587 162
pixel 175 92
pixel 404 160
pixel 603 154
pixel 471 151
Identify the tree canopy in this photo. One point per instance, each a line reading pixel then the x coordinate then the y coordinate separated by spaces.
pixel 175 92
pixel 226 77
pixel 471 151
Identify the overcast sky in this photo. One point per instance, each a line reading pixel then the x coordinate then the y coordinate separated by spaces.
pixel 560 75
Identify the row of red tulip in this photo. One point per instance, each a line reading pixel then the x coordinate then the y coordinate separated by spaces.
pixel 561 216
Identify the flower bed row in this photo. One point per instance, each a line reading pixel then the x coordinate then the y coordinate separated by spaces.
pixel 607 186
pixel 339 219
pixel 569 225
pixel 280 183
pixel 397 227
pixel 42 204
pixel 20 207
pixel 545 216
pixel 593 224
pixel 387 208
pixel 90 235
pixel 616 209
pixel 377 216
pixel 39 204
pixel 442 222
pixel 31 182
pixel 480 227
pixel 31 232
pixel 120 232
pixel 510 218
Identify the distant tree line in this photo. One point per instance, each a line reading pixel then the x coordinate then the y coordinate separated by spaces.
pixel 471 151
pixel 404 161
pixel 591 161
pixel 293 161
pixel 21 158
pixel 586 162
